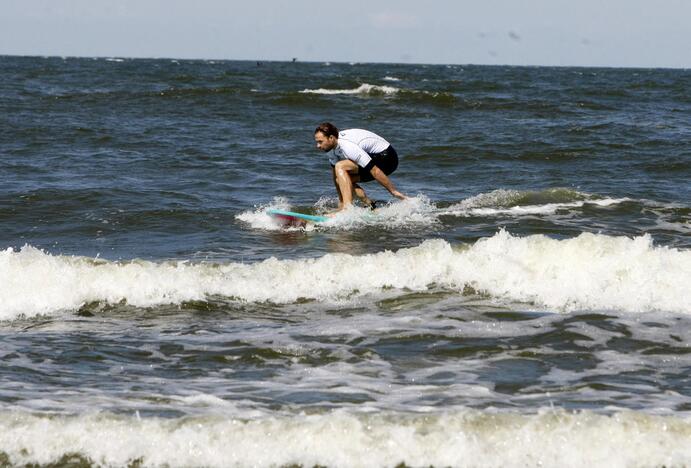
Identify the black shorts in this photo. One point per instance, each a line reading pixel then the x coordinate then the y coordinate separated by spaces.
pixel 386 161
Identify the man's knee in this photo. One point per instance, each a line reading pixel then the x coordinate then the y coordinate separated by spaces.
pixel 345 166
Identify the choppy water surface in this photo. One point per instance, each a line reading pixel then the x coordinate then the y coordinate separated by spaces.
pixel 528 305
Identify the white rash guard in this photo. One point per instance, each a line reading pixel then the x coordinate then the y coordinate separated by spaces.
pixel 357 145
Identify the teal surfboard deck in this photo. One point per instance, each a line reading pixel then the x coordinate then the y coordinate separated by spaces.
pixel 296 218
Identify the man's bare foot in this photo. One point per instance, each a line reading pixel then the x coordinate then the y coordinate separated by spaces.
pixel 340 209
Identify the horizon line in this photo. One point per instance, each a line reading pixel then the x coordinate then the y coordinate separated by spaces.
pixel 345 62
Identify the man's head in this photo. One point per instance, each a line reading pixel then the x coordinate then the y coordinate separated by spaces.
pixel 326 136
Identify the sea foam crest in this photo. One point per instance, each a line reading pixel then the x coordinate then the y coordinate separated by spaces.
pixel 364 88
pixel 518 203
pixel 590 271
pixel 462 438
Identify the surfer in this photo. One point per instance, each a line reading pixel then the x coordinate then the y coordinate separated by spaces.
pixel 356 156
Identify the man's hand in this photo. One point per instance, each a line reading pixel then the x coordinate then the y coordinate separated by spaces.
pixel 398 195
pixel 380 177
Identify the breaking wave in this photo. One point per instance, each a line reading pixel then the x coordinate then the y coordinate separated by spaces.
pixel 462 438
pixel 364 88
pixel 591 271
pixel 516 202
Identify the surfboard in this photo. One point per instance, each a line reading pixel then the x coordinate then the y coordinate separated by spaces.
pixel 291 218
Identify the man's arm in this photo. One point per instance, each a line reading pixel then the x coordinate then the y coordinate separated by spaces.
pixel 380 177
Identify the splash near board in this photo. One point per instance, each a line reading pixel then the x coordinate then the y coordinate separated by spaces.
pixel 293 219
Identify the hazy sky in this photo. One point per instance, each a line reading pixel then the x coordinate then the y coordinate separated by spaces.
pixel 646 33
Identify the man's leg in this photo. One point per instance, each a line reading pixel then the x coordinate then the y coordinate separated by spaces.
pixel 338 190
pixel 346 172
pixel 360 193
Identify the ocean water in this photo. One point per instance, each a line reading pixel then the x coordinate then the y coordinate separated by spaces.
pixel 528 305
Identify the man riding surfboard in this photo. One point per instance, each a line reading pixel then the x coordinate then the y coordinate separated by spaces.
pixel 357 156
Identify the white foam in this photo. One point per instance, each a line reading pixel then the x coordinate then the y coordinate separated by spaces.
pixel 547 208
pixel 590 271
pixel 343 439
pixel 504 202
pixel 391 78
pixel 364 88
pixel 682 227
pixel 259 218
pixel 412 212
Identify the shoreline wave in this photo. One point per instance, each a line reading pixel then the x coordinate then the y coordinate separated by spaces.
pixel 462 438
pixel 590 271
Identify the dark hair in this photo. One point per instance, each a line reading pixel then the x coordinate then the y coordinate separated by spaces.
pixel 328 129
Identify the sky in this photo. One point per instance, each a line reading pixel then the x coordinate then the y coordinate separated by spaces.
pixel 613 33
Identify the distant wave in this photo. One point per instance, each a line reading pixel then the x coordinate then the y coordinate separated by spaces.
pixel 183 89
pixel 174 92
pixel 436 98
pixel 364 88
pixel 590 271
pixel 454 438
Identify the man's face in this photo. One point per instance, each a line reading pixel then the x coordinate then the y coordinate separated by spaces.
pixel 324 143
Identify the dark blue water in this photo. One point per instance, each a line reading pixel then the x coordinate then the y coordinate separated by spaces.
pixel 535 286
